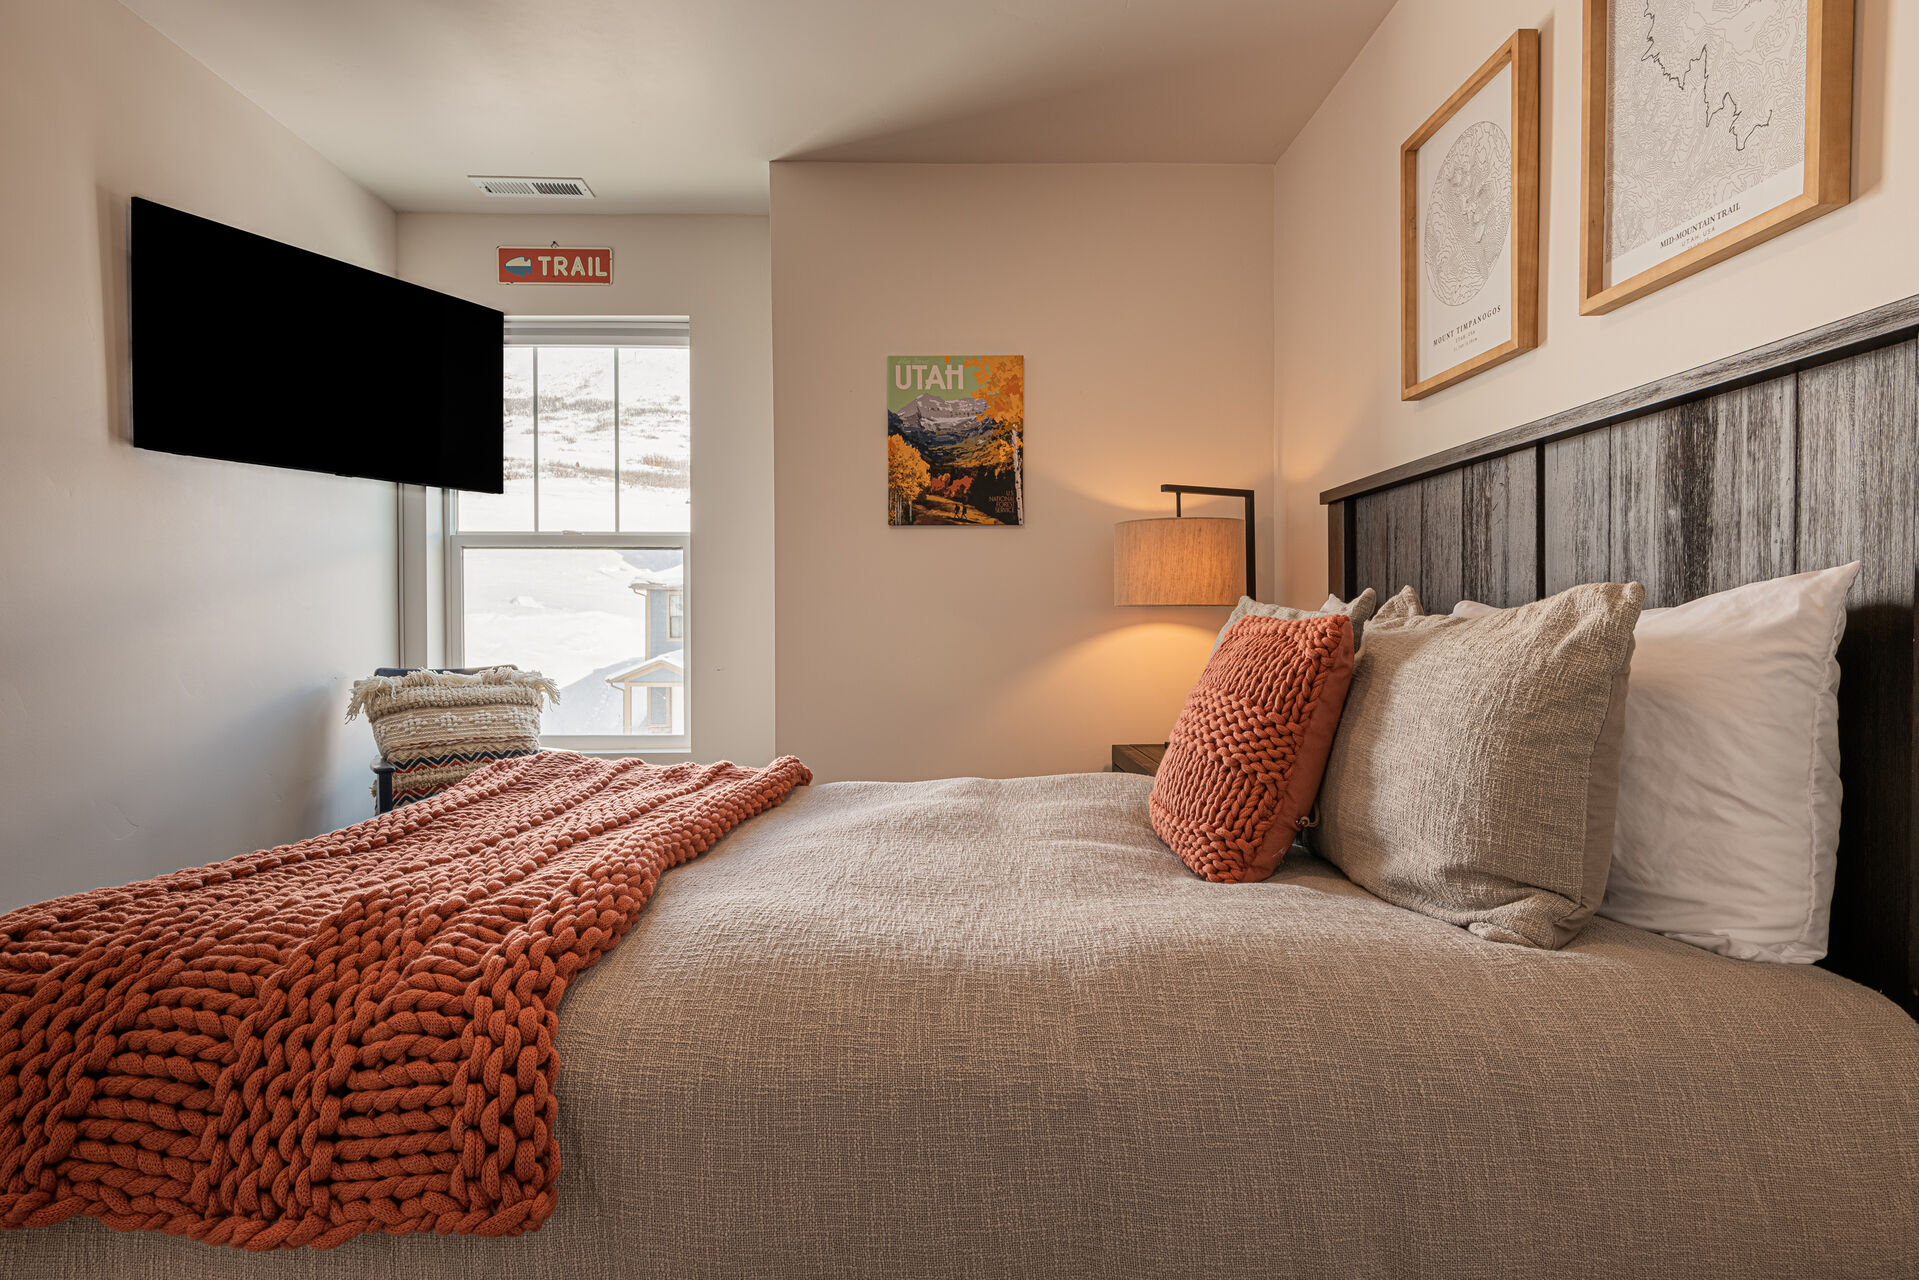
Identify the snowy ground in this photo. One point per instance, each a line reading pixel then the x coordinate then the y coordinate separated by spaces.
pixel 576 442
pixel 568 613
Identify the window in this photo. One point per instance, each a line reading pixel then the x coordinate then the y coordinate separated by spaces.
pixel 579 570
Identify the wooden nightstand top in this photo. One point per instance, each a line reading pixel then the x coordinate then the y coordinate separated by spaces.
pixel 1138 757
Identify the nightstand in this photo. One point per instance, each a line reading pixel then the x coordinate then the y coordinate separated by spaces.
pixel 1138 757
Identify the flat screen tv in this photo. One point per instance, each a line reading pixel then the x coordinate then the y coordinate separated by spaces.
pixel 254 351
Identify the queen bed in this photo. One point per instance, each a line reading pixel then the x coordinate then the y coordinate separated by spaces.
pixel 991 1028
pixel 994 1028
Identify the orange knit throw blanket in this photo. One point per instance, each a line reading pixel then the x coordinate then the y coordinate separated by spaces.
pixel 353 1033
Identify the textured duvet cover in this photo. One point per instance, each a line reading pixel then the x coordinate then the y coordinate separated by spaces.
pixel 984 1028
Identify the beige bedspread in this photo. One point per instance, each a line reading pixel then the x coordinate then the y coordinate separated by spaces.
pixel 974 1028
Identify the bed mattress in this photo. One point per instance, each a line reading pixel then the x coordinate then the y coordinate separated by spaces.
pixel 994 1028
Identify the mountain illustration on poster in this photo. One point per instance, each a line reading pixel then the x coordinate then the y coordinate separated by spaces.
pixel 955 440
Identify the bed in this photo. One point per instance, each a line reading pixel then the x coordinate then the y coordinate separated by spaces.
pixel 994 1028
pixel 991 1028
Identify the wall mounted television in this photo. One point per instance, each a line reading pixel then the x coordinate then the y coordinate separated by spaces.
pixel 254 351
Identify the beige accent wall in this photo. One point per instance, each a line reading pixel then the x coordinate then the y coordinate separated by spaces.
pixel 176 635
pixel 716 270
pixel 1338 415
pixel 1141 297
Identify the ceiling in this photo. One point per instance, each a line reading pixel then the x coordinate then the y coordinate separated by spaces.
pixel 677 107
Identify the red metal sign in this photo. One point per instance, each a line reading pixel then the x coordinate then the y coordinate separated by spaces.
pixel 555 264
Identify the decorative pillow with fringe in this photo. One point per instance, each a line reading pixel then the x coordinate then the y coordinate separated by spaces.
pixel 435 727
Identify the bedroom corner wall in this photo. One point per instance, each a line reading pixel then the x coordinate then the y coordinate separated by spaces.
pixel 1141 298
pixel 715 269
pixel 176 635
pixel 1337 412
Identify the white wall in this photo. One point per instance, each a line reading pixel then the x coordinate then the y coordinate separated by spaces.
pixel 1141 297
pixel 176 635
pixel 1338 415
pixel 717 271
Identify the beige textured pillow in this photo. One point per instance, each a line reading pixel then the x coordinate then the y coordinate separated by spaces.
pixel 1403 603
pixel 1477 765
pixel 1358 611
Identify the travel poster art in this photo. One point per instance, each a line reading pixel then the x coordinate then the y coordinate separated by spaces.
pixel 955 440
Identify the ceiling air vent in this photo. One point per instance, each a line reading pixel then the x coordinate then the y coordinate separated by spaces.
pixel 570 188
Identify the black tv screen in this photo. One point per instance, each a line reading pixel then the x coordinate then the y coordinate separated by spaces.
pixel 255 351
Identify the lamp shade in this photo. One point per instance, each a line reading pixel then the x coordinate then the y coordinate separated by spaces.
pixel 1190 560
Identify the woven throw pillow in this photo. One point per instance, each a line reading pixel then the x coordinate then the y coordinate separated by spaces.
pixel 1475 774
pixel 1245 757
pixel 427 776
pixel 1403 603
pixel 1358 610
pixel 435 727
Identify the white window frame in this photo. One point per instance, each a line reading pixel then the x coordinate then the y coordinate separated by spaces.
pixel 581 331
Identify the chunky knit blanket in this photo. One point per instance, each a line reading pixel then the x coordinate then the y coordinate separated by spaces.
pixel 353 1033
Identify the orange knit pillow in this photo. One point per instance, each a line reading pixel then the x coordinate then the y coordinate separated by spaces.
pixel 1244 760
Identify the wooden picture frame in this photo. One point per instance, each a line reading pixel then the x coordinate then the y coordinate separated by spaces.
pixel 1827 178
pixel 1424 296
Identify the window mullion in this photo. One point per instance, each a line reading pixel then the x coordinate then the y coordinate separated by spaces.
pixel 590 541
pixel 454 584
pixel 616 437
pixel 536 437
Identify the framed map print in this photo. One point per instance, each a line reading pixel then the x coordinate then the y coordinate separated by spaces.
pixel 1710 126
pixel 1469 234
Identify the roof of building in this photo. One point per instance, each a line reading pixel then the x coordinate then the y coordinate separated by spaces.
pixel 673 660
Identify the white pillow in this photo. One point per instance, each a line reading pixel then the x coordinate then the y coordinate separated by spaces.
pixel 1727 834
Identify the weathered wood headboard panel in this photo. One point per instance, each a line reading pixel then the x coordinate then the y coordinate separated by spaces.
pixel 1793 456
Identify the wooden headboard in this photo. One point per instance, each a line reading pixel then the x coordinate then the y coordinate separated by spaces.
pixel 1793 456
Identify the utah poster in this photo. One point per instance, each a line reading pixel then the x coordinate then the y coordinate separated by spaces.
pixel 955 439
